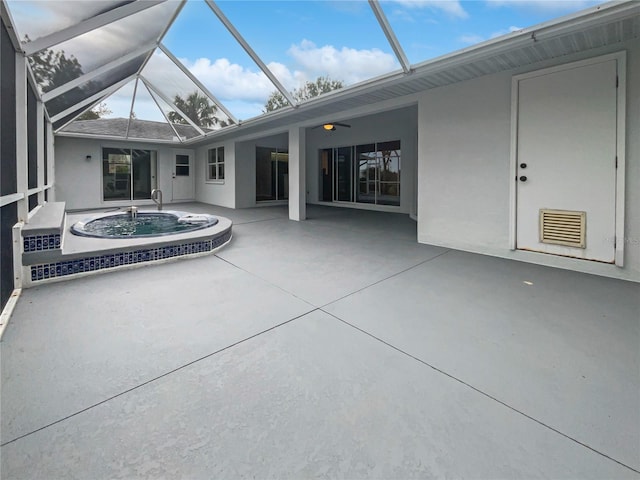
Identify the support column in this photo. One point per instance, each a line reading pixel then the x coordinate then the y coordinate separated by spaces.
pixel 50 161
pixel 40 150
pixel 22 163
pixel 297 174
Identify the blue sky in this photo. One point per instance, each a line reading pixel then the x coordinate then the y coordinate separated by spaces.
pixel 298 40
pixel 301 40
pixel 425 28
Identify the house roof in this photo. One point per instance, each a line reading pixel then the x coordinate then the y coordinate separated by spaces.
pixel 136 129
pixel 142 63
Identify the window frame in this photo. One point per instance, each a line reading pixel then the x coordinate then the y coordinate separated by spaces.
pixel 215 159
pixel 182 169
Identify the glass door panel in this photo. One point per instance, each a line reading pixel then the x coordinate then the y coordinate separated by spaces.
pixel 326 174
pixel 116 173
pixel 388 156
pixel 144 178
pixel 344 167
pixel 272 174
pixel 265 175
pixel 282 168
pixel 367 173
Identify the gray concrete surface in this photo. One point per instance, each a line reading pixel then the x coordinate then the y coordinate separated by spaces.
pixel 48 219
pixel 333 348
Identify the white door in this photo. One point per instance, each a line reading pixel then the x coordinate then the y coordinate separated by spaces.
pixel 566 162
pixel 183 186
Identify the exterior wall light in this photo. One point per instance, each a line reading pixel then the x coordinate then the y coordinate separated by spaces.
pixel 88 158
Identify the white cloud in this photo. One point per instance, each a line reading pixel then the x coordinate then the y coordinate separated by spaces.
pixel 231 81
pixel 545 5
pixel 228 80
pixel 244 90
pixel 346 64
pixel 450 7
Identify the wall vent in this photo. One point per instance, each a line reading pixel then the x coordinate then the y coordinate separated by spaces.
pixel 563 227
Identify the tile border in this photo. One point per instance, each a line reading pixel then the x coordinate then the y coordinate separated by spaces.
pixel 64 268
pixel 40 243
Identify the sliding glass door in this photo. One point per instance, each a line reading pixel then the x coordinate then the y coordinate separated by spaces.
pixel 272 174
pixel 128 174
pixel 368 173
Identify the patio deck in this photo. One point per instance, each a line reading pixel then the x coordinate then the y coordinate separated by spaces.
pixel 337 347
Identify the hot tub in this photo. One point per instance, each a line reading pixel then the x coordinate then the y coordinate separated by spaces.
pixel 142 224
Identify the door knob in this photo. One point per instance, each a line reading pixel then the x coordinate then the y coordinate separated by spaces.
pixel 523 178
pixel 523 165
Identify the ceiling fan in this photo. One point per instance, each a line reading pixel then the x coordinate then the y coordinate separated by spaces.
pixel 331 126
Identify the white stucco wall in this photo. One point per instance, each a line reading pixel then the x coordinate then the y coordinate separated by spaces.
pixel 457 137
pixel 464 167
pixel 216 192
pixel 79 182
pixel 398 124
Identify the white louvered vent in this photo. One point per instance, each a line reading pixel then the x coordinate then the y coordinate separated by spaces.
pixel 562 227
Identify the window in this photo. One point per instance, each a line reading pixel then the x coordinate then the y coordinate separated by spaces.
pixel 182 165
pixel 215 164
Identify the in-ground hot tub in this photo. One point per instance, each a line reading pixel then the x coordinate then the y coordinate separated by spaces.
pixel 142 224
pixel 115 240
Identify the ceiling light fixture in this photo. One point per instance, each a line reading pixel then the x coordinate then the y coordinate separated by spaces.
pixel 331 126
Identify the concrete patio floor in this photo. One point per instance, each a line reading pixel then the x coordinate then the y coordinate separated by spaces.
pixel 337 347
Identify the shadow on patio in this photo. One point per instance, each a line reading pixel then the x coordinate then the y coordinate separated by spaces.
pixel 335 347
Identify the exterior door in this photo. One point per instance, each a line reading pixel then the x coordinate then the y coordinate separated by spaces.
pixel 566 161
pixel 182 187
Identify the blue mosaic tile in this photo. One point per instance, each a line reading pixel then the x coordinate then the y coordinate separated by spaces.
pixel 38 243
pixel 102 262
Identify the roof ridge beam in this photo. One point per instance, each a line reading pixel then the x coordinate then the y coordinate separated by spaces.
pixel 247 48
pixel 98 71
pixel 133 101
pixel 162 34
pixel 195 80
pixel 391 36
pixel 92 23
pixel 153 89
pixel 169 24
